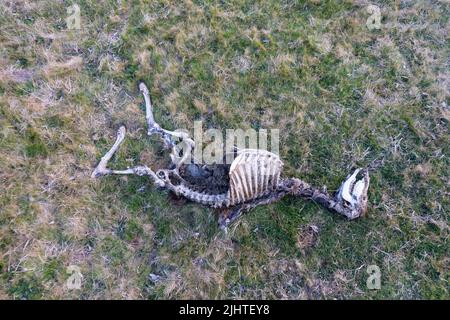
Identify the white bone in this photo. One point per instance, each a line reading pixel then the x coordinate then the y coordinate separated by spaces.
pixel 346 188
pixel 101 167
pixel 253 174
pixel 358 189
pixel 167 135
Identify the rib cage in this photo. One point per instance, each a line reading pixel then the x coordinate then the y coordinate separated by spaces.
pixel 254 173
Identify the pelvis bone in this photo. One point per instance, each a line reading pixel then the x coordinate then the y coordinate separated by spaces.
pixel 254 178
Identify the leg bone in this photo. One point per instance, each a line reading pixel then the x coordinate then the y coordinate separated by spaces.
pixel 166 135
pixel 102 170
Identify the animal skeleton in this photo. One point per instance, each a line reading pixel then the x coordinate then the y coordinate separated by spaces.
pixel 254 178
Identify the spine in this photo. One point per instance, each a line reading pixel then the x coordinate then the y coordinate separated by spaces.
pixel 216 201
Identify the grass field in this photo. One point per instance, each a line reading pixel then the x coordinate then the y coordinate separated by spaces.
pixel 342 95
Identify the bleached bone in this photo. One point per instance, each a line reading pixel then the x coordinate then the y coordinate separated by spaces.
pixel 255 178
pixel 353 194
pixel 167 135
pixel 299 188
pixel 254 173
pixel 102 170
